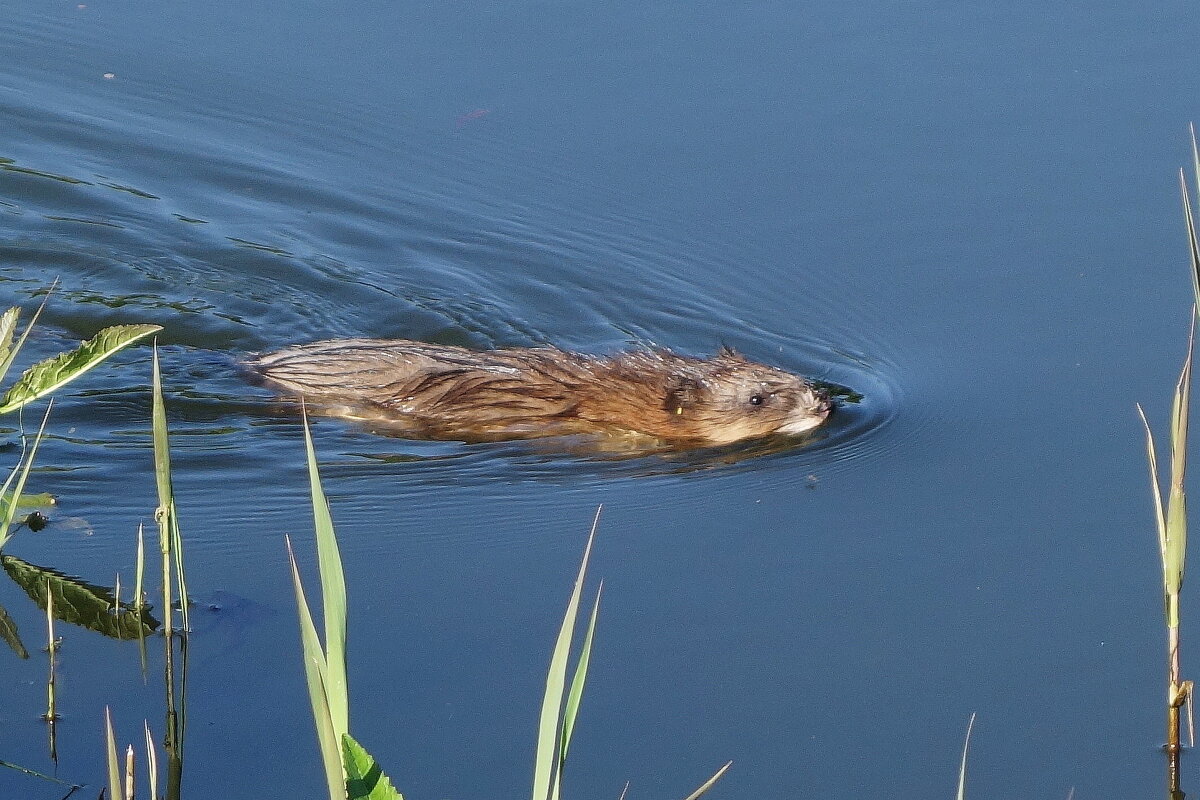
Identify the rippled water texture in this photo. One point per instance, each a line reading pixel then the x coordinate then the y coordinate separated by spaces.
pixel 966 214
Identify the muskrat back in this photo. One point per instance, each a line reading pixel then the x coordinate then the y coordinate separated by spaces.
pixel 442 391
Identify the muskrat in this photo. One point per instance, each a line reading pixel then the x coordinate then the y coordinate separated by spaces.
pixel 446 392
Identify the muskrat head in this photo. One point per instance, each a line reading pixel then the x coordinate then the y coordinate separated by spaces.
pixel 729 398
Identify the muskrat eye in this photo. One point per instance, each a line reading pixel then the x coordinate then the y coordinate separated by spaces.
pixel 756 399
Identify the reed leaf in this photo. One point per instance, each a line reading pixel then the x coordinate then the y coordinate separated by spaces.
pixel 114 768
pixel 170 541
pixel 1193 244
pixel 365 779
pixel 21 473
pixel 1176 523
pixel 333 597
pixel 1191 223
pixel 315 675
pixel 1160 518
pixel 708 784
pixel 162 444
pixel 47 376
pixel 8 632
pixel 552 701
pixel 139 573
pixel 575 695
pixel 151 762
pixel 8 326
pixel 962 767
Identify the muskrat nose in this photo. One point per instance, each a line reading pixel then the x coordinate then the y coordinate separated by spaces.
pixel 824 401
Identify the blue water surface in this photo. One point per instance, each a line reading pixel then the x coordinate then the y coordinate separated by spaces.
pixel 967 212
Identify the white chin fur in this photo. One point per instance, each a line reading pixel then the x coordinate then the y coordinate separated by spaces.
pixel 801 424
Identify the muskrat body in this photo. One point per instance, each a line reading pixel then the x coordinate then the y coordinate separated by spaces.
pixel 445 392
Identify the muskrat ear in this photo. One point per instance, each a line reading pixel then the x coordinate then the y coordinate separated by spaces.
pixel 728 352
pixel 682 392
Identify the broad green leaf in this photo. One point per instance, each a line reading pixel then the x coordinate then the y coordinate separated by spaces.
pixel 315 675
pixel 47 376
pixel 36 501
pixel 556 678
pixel 364 778
pixel 78 602
pixel 333 596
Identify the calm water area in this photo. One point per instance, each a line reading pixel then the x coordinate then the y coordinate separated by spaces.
pixel 968 212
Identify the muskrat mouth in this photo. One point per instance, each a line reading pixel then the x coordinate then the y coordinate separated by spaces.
pixel 825 404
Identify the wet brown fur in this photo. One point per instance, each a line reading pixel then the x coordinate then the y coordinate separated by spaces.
pixel 440 391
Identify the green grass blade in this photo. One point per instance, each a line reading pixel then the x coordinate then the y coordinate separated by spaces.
pixel 35 774
pixel 708 784
pixel 1160 518
pixel 548 725
pixel 364 777
pixel 315 675
pixel 114 768
pixel 333 594
pixel 962 767
pixel 162 480
pixel 1190 224
pixel 170 540
pixel 162 445
pixel 10 509
pixel 10 635
pixel 180 577
pixel 45 377
pixel 10 354
pixel 140 569
pixel 151 762
pixel 8 327
pixel 1176 549
pixel 1188 217
pixel 575 695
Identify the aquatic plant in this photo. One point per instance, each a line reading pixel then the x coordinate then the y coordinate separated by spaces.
pixel 962 765
pixel 557 720
pixel 42 379
pixel 10 494
pixel 350 771
pixel 325 665
pixel 1171 516
pixel 170 542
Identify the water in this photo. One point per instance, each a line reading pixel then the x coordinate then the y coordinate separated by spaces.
pixel 966 212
